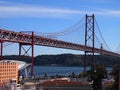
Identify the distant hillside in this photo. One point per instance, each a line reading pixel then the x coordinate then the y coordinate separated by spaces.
pixel 66 59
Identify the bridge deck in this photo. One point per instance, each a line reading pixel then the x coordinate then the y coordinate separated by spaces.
pixel 18 37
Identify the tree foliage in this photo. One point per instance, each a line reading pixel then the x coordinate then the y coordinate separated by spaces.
pixel 96 74
pixel 115 73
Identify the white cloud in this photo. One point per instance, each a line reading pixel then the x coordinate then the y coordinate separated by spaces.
pixel 21 10
pixel 108 12
pixel 16 11
pixel 8 9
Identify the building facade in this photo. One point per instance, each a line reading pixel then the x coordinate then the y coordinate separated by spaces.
pixel 8 71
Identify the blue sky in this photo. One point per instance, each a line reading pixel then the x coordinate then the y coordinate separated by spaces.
pixel 55 15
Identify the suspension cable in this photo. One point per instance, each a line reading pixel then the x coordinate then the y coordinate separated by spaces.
pixel 65 31
pixel 97 39
pixel 102 35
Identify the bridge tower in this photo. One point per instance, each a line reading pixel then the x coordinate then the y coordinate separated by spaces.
pixel 89 38
pixel 25 48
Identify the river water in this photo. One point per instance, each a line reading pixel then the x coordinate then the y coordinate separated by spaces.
pixel 53 70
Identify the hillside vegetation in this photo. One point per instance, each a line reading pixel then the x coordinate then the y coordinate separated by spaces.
pixel 66 59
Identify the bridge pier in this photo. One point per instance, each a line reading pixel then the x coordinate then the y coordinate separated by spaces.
pixel 26 52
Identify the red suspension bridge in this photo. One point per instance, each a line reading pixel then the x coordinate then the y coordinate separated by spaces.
pixel 31 39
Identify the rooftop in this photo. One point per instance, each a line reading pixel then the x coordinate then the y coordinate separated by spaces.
pixel 61 83
pixel 21 64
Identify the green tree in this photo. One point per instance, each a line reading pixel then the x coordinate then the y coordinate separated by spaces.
pixel 83 74
pixel 73 75
pixel 96 74
pixel 45 76
pixel 115 73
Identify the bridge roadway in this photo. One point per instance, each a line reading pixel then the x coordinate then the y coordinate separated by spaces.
pixel 18 37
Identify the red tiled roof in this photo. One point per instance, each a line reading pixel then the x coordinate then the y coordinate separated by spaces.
pixel 61 83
